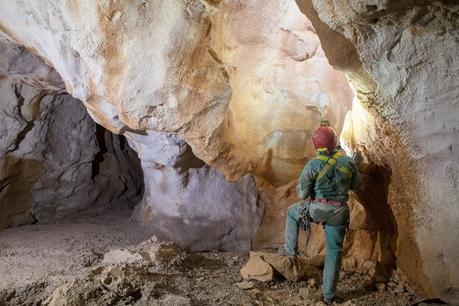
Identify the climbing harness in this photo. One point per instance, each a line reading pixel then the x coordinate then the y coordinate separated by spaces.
pixel 328 202
pixel 332 161
pixel 304 220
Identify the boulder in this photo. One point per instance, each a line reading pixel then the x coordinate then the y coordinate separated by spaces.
pixel 258 269
pixel 261 265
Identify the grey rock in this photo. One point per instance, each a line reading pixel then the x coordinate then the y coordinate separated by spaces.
pixel 190 203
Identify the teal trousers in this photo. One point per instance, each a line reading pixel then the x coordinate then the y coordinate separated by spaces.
pixel 335 220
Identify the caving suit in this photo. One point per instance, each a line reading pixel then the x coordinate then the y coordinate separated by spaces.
pixel 325 180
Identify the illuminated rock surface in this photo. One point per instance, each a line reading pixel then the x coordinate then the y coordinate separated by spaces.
pixel 407 130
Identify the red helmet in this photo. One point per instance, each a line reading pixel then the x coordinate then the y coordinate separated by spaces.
pixel 325 137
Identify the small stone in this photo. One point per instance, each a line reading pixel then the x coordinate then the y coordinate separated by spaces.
pixel 245 285
pixel 236 258
pixel 304 293
pixel 312 282
pixel 399 289
pixel 122 256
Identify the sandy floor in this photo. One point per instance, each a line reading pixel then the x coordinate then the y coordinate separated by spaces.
pixel 42 256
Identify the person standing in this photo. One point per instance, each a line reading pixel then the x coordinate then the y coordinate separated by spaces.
pixel 323 190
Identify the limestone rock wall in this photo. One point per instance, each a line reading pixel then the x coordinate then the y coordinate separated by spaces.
pixel 54 160
pixel 405 122
pixel 205 70
pixel 188 202
pixel 244 90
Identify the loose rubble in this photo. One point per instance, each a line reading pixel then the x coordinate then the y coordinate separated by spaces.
pixel 160 273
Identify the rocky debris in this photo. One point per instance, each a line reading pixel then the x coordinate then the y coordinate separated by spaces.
pixel 120 256
pixel 121 276
pixel 258 269
pixel 149 252
pixel 190 278
pixel 36 259
pixel 262 266
pixel 245 285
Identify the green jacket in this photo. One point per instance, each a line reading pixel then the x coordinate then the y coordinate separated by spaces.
pixel 333 184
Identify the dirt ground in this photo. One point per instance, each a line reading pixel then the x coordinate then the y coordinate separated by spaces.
pixel 63 264
pixel 35 259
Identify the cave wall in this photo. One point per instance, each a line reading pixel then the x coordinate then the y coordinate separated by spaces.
pixel 206 75
pixel 191 203
pixel 55 160
pixel 51 157
pixel 405 122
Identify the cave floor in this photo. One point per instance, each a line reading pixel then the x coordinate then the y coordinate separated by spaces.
pixel 37 259
pixel 34 259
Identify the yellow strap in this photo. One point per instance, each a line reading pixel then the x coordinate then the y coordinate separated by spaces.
pixel 344 170
pixel 331 162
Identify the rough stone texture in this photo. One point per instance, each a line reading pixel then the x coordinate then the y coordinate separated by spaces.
pixel 54 160
pixel 219 67
pixel 280 80
pixel 291 268
pixel 257 269
pixel 19 64
pixel 407 129
pixel 190 203
pixel 212 71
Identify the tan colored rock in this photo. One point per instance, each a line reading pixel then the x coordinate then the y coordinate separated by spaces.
pixel 258 269
pixel 225 67
pixel 293 269
pixel 406 127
